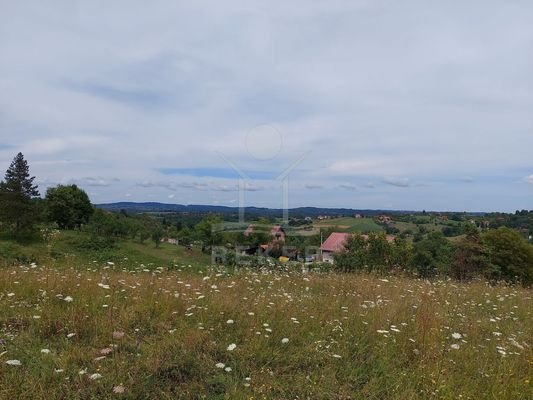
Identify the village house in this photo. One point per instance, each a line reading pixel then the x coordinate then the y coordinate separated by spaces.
pixel 335 244
pixel 277 232
pixel 385 219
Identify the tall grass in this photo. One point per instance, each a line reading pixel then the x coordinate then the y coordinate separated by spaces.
pixel 160 334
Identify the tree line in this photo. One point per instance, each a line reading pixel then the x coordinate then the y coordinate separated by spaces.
pixel 498 254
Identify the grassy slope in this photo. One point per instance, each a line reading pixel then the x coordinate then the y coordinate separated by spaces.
pixel 348 224
pixel 62 250
pixel 176 331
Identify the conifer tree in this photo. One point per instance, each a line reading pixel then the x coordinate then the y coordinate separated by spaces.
pixel 17 191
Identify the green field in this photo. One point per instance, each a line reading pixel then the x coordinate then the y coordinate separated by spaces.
pixel 430 224
pixel 349 224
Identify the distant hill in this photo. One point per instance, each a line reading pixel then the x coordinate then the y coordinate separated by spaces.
pixel 298 212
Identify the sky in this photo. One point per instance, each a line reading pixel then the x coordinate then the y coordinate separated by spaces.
pixel 374 104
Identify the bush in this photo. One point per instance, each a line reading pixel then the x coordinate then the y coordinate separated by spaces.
pixel 11 253
pixel 96 243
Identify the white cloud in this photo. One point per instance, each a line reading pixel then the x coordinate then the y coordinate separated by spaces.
pixel 396 181
pixel 104 90
pixel 348 186
pixel 313 186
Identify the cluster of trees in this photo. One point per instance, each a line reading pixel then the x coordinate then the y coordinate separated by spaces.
pixel 22 209
pixel 499 254
pixel 106 228
pixel 521 220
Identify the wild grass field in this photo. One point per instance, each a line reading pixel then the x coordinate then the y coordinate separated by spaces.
pixel 119 330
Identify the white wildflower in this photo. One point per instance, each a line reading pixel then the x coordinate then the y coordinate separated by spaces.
pixel 456 335
pixel 285 340
pixel 14 363
pixel 119 389
pixel 117 335
pixel 232 347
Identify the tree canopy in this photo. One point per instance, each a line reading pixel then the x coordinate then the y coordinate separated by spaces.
pixel 68 206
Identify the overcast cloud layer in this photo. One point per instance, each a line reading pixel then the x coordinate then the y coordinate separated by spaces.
pixel 368 104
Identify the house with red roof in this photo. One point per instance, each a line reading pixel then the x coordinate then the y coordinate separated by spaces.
pixel 335 244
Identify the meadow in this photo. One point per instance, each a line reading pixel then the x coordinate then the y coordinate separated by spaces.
pixel 349 224
pixel 106 330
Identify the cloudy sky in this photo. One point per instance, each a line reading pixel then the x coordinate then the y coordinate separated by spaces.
pixel 359 103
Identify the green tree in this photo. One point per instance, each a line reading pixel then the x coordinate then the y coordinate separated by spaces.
pixel 469 255
pixel 68 206
pixel 157 235
pixel 432 255
pixel 143 235
pixel 510 255
pixel 207 233
pixel 103 223
pixel 354 257
pixel 18 210
pixel 402 252
pixel 379 252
